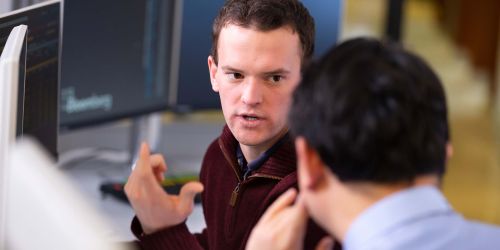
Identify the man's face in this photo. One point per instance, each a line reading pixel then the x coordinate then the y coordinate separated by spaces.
pixel 255 77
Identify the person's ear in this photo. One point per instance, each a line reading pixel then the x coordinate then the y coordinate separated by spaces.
pixel 449 151
pixel 310 166
pixel 212 68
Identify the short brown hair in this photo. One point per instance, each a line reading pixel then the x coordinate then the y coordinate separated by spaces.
pixel 266 15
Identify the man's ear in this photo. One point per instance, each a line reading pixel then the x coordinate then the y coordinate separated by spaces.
pixel 310 166
pixel 212 68
pixel 449 151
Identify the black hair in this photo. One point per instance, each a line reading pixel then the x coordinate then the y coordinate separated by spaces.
pixel 374 112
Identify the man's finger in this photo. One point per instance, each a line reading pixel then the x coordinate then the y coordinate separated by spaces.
pixel 143 163
pixel 157 161
pixel 145 172
pixel 326 243
pixel 159 166
pixel 283 201
pixel 187 194
pixel 300 209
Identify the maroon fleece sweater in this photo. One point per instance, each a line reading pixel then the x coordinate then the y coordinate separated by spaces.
pixel 232 206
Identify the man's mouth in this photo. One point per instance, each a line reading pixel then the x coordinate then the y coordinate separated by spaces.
pixel 250 117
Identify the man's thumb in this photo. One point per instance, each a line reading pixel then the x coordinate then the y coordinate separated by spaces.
pixel 186 196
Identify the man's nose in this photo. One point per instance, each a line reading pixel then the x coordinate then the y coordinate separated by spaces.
pixel 252 92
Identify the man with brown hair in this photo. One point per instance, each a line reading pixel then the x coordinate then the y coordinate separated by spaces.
pixel 259 48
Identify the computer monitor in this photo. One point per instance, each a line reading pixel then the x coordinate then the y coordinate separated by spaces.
pixel 12 69
pixel 39 207
pixel 115 60
pixel 41 92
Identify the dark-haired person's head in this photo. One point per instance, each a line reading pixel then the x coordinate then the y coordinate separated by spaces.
pixel 371 130
pixel 373 112
pixel 266 15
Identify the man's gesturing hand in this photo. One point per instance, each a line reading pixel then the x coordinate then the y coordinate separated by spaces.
pixel 282 226
pixel 155 208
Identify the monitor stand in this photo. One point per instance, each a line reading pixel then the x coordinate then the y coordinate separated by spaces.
pixel 144 129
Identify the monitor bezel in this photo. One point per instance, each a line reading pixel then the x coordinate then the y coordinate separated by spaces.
pixel 67 127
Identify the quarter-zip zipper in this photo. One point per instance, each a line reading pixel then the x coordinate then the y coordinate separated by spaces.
pixel 236 190
pixel 234 194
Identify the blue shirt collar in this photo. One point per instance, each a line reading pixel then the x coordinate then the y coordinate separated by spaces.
pixel 393 211
pixel 255 164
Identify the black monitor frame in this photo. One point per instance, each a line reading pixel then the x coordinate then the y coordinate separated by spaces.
pixel 41 91
pixel 156 64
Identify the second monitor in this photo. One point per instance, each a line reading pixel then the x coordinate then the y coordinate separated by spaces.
pixel 115 60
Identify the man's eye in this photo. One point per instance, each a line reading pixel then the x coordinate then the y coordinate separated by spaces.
pixel 275 78
pixel 235 76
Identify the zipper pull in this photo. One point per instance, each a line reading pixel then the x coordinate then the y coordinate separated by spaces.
pixel 234 195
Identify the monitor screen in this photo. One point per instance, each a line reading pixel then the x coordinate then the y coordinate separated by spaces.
pixel 39 112
pixel 115 60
